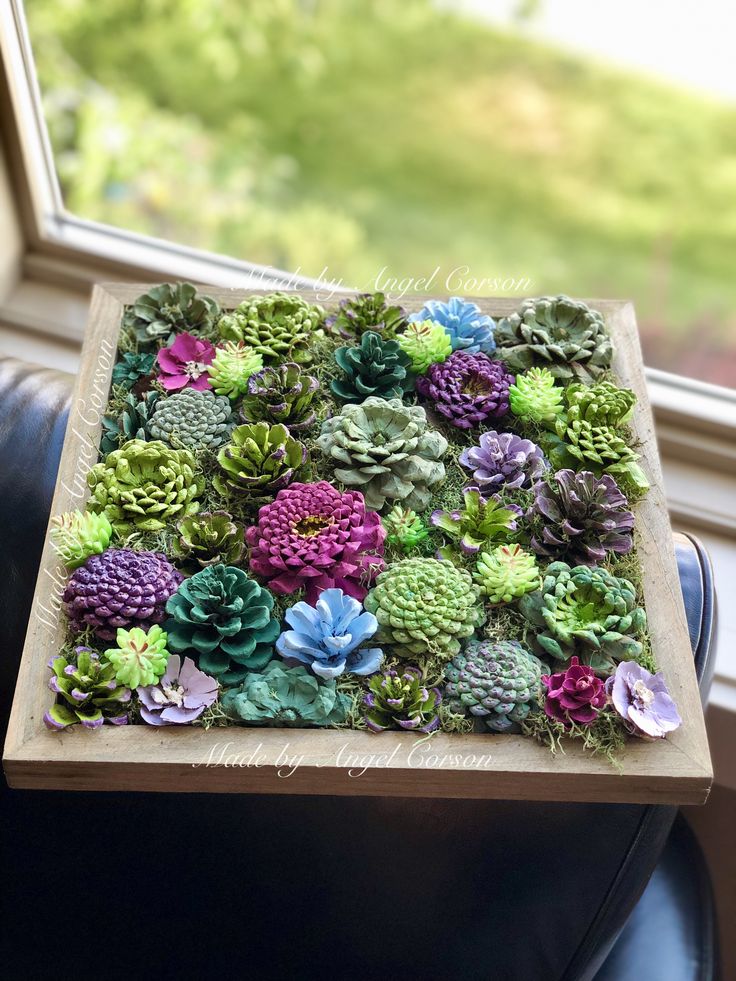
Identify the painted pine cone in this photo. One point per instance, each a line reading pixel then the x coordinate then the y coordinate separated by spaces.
pixel 195 420
pixel 120 588
pixel 424 607
pixel 281 394
pixel 279 326
pixel 375 367
pixel 467 389
pixel 261 459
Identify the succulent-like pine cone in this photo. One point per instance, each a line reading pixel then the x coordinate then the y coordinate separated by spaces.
pixel 368 311
pixel 498 683
pixel 119 588
pixel 467 389
pixel 384 448
pixel 583 518
pixel 260 459
pixel 195 420
pixel 401 701
pixel 424 607
pixel 375 367
pixel 279 326
pixel 281 394
pixel 158 315
pixel 558 333
pixel 603 404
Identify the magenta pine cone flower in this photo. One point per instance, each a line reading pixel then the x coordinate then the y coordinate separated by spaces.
pixel 316 537
pixel 184 363
pixel 642 700
pixel 574 695
pixel 467 389
pixel 503 460
pixel 119 588
pixel 180 697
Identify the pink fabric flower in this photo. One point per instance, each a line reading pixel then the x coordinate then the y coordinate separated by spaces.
pixel 316 537
pixel 180 697
pixel 574 695
pixel 184 363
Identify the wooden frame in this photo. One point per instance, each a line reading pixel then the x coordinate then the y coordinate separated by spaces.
pixel 241 760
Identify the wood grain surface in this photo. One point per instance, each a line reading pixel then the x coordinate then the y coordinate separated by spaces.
pixel 307 761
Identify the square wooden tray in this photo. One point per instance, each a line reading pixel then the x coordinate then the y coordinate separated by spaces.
pixel 240 760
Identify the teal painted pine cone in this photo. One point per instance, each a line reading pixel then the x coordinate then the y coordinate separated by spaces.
pixel 288 697
pixel 224 620
pixel 131 422
pixel 374 367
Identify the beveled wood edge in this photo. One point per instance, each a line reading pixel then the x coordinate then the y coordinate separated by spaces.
pixel 30 760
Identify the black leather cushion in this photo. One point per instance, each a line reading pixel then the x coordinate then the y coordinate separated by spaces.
pixel 298 887
pixel 671 935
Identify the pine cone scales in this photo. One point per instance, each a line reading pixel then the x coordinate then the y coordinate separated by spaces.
pixel 193 419
pixel 119 588
pixel 376 367
pixel 260 459
pixel 467 389
pixel 499 683
pixel 603 404
pixel 367 311
pixel 583 518
pixel 157 315
pixel 385 449
pixel 424 607
pixel 558 333
pixel 281 394
pixel 142 485
pixel 279 326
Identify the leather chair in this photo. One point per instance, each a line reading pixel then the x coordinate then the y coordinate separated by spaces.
pixel 275 887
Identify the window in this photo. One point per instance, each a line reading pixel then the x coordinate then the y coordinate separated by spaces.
pixel 378 142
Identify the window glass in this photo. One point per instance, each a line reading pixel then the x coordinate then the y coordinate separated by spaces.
pixel 499 148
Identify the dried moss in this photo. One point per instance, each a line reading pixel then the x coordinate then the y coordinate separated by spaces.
pixel 604 737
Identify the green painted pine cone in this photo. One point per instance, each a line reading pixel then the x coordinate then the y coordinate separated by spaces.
pixel 603 404
pixel 224 620
pixel 404 528
pixel 367 311
pixel 156 316
pixel 233 367
pixel 78 534
pixel 376 367
pixel 281 393
pixel 144 486
pixel 424 607
pixel 86 691
pixel 536 397
pixel 506 573
pixel 557 333
pixel 192 419
pixel 260 459
pixel 209 538
pixel 384 449
pixel 587 612
pixel 581 445
pixel 498 683
pixel 425 342
pixel 279 326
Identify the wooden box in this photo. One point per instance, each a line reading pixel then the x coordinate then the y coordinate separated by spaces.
pixel 241 760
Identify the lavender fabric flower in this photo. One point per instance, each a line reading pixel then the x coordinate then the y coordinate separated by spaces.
pixel 327 636
pixel 180 697
pixel 467 389
pixel 642 700
pixel 468 329
pixel 503 460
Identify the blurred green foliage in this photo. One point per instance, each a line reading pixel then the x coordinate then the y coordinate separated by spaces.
pixel 362 134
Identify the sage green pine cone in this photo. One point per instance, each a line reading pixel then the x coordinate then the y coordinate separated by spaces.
pixel 156 316
pixel 279 326
pixel 581 445
pixel 384 449
pixel 224 620
pixel 375 367
pixel 425 608
pixel 145 486
pixel 587 612
pixel 209 538
pixel 498 683
pixel 193 419
pixel 557 333
pixel 285 696
pixel 260 459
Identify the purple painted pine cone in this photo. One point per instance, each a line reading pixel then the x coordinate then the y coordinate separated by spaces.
pixel 119 588
pixel 468 389
pixel 503 460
